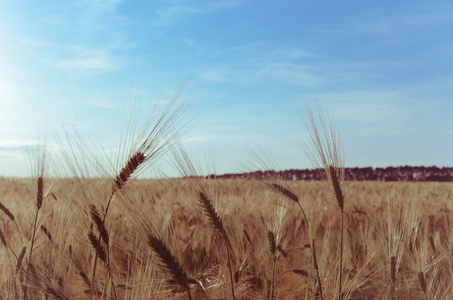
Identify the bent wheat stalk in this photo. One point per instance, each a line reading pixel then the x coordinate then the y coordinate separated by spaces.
pixel 293 197
pixel 160 130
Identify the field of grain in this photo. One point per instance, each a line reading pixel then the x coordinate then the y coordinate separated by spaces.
pixel 84 227
pixel 158 242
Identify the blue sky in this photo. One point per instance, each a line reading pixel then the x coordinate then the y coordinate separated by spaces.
pixel 384 65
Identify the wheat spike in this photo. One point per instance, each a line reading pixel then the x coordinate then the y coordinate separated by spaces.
pixel 393 268
pixel 96 217
pixel 3 239
pixel 272 244
pixel 336 187
pixel 287 193
pixel 46 232
pixel 40 192
pixel 421 279
pixel 301 272
pixel 169 262
pixel 98 248
pixel 131 166
pixel 7 212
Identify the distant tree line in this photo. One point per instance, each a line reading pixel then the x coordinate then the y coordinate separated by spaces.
pixel 403 173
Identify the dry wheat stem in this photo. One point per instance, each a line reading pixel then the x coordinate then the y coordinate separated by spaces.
pixel 20 259
pixel 39 202
pixel 326 154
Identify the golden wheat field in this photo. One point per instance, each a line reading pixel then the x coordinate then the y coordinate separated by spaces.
pixel 93 230
pixel 159 243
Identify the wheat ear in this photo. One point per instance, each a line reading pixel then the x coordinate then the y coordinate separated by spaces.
pixel 216 221
pixel 393 274
pixel 9 214
pixel 169 263
pixel 272 244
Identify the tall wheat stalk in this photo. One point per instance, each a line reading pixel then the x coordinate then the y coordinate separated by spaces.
pixel 187 169
pixel 280 185
pixel 162 127
pixel 39 161
pixel 326 153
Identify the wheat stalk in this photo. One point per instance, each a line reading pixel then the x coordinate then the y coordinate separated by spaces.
pixel 157 133
pixel 20 258
pixel 326 154
pixel 169 263
pixel 96 217
pixel 216 221
pixel 272 244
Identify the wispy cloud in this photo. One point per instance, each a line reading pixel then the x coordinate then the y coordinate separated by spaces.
pixel 284 73
pixel 402 22
pixel 70 57
pixel 297 74
pixel 386 112
pixel 177 11
pixel 17 145
pixel 395 22
pixel 291 54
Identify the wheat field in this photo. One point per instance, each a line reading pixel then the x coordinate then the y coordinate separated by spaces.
pixel 83 226
pixel 398 241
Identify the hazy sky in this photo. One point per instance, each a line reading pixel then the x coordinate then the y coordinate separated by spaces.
pixel 386 67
